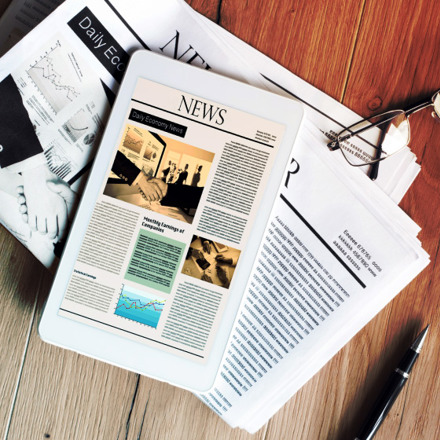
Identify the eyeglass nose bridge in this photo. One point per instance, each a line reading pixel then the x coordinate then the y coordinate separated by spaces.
pixel 336 144
pixel 333 145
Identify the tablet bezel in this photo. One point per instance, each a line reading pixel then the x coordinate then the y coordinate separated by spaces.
pixel 127 353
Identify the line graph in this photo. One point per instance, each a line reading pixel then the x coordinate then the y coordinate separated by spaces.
pixel 138 306
pixel 78 125
pixel 133 141
pixel 54 76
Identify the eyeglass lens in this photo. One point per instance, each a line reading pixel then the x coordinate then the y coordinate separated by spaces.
pixel 436 103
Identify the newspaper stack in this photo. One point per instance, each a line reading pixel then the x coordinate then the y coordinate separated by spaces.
pixel 277 343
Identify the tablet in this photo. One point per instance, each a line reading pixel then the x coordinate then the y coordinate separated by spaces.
pixel 169 226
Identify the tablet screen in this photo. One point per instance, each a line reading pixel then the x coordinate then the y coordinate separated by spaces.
pixel 184 182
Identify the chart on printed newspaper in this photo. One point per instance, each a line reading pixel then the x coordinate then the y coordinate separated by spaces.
pixel 66 103
pixel 54 79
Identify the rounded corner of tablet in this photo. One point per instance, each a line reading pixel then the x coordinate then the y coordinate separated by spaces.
pixel 43 329
pixel 202 385
pixel 138 54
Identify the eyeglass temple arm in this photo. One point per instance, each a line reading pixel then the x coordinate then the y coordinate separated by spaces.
pixel 417 107
pixel 374 170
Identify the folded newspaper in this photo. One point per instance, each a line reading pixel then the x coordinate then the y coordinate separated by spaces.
pixel 330 260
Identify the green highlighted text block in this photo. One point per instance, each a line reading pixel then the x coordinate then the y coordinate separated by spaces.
pixel 155 261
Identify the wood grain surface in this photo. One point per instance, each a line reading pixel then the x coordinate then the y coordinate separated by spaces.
pixel 370 55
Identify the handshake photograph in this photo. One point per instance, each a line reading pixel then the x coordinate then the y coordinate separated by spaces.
pixel 159 174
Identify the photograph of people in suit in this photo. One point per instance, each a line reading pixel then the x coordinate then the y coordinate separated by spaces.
pixel 172 186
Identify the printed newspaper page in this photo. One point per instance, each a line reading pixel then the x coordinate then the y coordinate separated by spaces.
pixel 166 236
pixel 327 265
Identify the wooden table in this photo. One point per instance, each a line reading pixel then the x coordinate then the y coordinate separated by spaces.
pixel 372 56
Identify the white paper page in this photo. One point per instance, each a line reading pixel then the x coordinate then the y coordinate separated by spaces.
pixel 286 384
pixel 370 194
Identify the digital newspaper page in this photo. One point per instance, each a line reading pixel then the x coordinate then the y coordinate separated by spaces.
pixel 164 243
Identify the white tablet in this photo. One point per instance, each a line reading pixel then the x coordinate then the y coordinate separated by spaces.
pixel 164 240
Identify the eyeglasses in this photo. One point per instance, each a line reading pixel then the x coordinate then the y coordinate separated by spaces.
pixel 382 136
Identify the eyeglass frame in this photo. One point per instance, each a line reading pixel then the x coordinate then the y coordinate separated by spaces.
pixel 374 170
